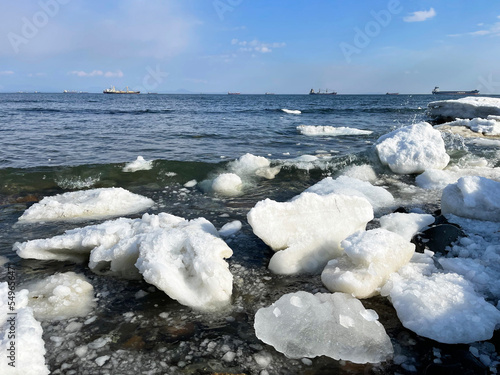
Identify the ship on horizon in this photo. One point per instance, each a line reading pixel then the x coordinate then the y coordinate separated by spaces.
pixel 112 90
pixel 437 91
pixel 312 92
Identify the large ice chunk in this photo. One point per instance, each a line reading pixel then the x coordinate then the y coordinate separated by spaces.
pixel 61 296
pixel 486 126
pixel 250 165
pixel 87 204
pixel 29 349
pixel 441 306
pixel 439 179
pixel 473 197
pixel 308 229
pixel 330 130
pixel 370 258
pixel 406 225
pixel 468 107
pixel 228 184
pixel 413 149
pixel 335 325
pixel 188 264
pixel 377 196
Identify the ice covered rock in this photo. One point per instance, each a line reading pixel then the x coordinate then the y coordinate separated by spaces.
pixel 139 164
pixel 308 230
pixel 468 107
pixel 61 296
pixel 29 349
pixel 439 179
pixel 489 126
pixel 406 225
pixel 330 130
pixel 370 258
pixel 473 197
pixel 187 263
pixel 228 184
pixel 335 325
pixel 377 196
pixel 440 306
pixel 86 205
pixel 413 149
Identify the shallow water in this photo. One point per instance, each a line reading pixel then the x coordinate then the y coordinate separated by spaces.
pixel 54 143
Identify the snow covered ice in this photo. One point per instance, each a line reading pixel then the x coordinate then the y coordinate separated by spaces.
pixel 466 108
pixel 406 224
pixel 473 197
pixel 370 258
pixel 86 205
pixel 335 325
pixel 306 232
pixel 413 149
pixel 228 184
pixel 140 164
pixel 489 126
pixel 439 179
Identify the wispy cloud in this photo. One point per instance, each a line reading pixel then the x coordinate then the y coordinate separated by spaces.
pixel 256 45
pixel 492 30
pixel 37 74
pixel 420 16
pixel 6 73
pixel 96 73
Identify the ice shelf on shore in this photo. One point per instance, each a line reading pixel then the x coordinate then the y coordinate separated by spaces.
pixel 335 325
pixel 439 179
pixel 412 149
pixel 378 197
pixel 61 296
pixel 183 258
pixel 87 204
pixel 473 197
pixel 27 354
pixel 370 258
pixel 306 232
pixel 139 164
pixel 406 224
pixel 439 305
pixel 467 108
pixel 330 130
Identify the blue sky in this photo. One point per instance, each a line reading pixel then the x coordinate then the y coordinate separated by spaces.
pixel 250 46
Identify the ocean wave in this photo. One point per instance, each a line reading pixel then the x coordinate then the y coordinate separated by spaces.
pixel 291 111
pixel 330 130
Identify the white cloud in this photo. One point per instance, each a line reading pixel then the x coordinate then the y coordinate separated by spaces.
pixel 96 73
pixel 256 45
pixel 6 73
pixel 420 16
pixel 492 30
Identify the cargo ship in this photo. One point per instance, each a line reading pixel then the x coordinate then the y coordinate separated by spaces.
pixel 312 92
pixel 436 91
pixel 112 90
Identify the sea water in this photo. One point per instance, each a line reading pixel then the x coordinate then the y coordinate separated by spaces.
pixel 56 143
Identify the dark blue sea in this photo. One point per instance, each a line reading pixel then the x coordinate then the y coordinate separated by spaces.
pixel 56 143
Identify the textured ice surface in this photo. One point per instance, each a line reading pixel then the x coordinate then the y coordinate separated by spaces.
pixel 439 179
pixel 228 184
pixel 486 126
pixel 406 225
pixel 468 107
pixel 61 296
pixel 441 306
pixel 250 165
pixel 377 196
pixel 330 130
pixel 335 325
pixel 370 258
pixel 308 229
pixel 412 149
pixel 139 164
pixel 87 204
pixel 29 345
pixel 363 172
pixel 473 197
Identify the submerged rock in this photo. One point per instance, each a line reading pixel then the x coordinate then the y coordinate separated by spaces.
pixel 335 325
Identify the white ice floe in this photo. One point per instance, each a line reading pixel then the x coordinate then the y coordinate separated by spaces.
pixel 330 130
pixel 27 353
pixel 308 230
pixel 230 228
pixel 292 111
pixel 468 107
pixel 250 165
pixel 139 164
pixel 472 197
pixel 378 197
pixel 406 224
pixel 190 183
pixel 438 305
pixel 335 325
pixel 86 205
pixel 413 149
pixel 228 184
pixel 363 172
pixel 439 179
pixel 370 258
pixel 188 264
pixel 489 126
pixel 61 296
pixel 183 258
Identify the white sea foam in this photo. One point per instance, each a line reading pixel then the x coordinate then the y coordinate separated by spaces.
pixel 77 182
pixel 138 165
pixel 330 130
pixel 292 111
